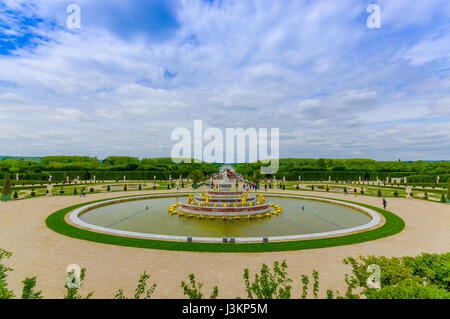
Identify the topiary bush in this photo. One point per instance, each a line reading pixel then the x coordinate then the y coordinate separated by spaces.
pixel 108 189
pixel 379 193
pixel 16 195
pixel 91 189
pixel 75 191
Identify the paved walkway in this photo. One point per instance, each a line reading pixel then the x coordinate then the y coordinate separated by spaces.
pixel 38 251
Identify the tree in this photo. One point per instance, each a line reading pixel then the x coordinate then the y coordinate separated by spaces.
pixel 424 276
pixel 443 199
pixel 322 163
pixel 28 289
pixel 269 284
pixel 194 290
pixel 140 290
pixel 448 190
pixel 196 176
pixel 6 189
pixel 5 293
pixel 72 286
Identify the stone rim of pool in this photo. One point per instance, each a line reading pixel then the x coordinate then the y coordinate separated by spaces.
pixel 74 219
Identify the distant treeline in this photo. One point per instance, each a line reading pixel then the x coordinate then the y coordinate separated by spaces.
pixel 116 167
pixel 111 168
pixel 352 169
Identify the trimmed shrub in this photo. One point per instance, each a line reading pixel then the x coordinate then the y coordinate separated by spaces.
pixel 140 187
pixel 7 189
pixel 33 193
pixel 125 188
pixel 16 195
pixel 396 193
pixel 75 191
pixel 91 189
pixel 443 199
pixel 108 189
pixel 379 193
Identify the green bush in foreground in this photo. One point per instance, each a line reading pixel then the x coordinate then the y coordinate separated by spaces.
pixel 194 290
pixel 141 289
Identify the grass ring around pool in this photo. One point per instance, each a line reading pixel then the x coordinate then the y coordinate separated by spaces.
pixel 393 225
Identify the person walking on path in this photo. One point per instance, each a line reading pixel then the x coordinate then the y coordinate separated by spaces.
pixel 345 191
pixel 384 203
pixel 83 193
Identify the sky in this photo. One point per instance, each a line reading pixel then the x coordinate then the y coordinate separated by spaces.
pixel 136 70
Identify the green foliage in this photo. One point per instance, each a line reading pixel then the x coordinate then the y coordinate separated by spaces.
pixel 425 276
pixel 196 176
pixel 316 283
pixel 448 189
pixel 141 289
pixel 28 289
pixel 140 187
pixel 16 195
pixel 379 194
pixel 125 187
pixel 73 292
pixel 194 290
pixel 410 289
pixel 305 283
pixel 395 193
pixel 443 199
pixel 330 294
pixel 5 293
pixel 6 189
pixel 269 284
pixel 75 191
pixel 108 188
pixel 91 189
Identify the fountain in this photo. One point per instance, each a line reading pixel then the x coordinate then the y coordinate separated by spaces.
pixel 222 201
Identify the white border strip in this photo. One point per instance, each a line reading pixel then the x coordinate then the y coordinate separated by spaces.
pixel 77 221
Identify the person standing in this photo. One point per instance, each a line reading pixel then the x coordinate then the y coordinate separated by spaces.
pixel 345 191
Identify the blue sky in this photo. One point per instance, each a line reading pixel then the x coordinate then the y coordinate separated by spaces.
pixel 136 70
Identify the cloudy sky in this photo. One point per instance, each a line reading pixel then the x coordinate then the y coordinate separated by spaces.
pixel 136 70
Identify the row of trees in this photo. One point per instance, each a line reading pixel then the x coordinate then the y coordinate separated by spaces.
pixel 113 167
pixel 422 277
pixel 351 169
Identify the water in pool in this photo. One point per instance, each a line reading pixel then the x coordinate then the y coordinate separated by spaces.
pixel 316 217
